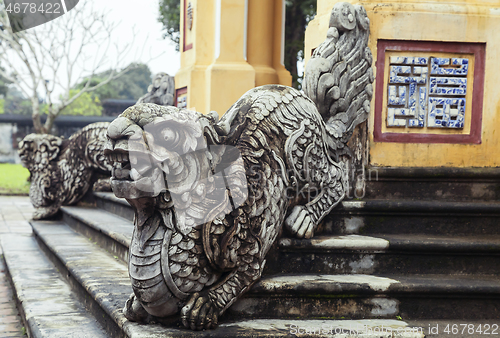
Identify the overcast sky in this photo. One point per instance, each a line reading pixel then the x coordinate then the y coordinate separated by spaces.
pixel 129 16
pixel 143 14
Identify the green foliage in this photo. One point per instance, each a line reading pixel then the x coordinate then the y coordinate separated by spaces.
pixel 14 179
pixel 170 17
pixel 2 103
pixel 298 15
pixel 4 85
pixel 130 86
pixel 16 103
pixel 86 105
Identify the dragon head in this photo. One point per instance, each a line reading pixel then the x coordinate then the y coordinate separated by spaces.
pixel 166 157
pixel 36 151
pixel 39 153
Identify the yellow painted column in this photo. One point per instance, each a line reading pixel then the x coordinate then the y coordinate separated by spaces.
pixel 230 75
pixel 228 47
pixel 197 51
pixel 284 76
pixel 431 24
pixel 265 45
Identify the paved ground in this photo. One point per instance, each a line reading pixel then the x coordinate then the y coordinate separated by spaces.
pixel 15 212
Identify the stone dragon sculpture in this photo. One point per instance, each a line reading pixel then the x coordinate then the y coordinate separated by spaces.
pixel 161 91
pixel 62 170
pixel 211 196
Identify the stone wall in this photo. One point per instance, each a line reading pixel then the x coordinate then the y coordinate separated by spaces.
pixel 7 152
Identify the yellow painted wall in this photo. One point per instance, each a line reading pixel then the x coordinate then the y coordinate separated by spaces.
pixel 444 20
pixel 195 61
pixel 236 47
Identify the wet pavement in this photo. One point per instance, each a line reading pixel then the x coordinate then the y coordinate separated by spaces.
pixel 15 211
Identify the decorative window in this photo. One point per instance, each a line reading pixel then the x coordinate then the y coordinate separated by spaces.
pixel 429 92
pixel 188 36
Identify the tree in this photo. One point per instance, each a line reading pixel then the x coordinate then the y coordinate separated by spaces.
pixel 47 58
pixel 16 103
pixel 298 15
pixel 86 105
pixel 4 84
pixel 170 17
pixel 130 86
pixel 4 88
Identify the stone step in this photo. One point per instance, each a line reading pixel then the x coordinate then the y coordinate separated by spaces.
pixel 446 328
pixel 106 229
pixel 104 279
pixel 102 265
pixel 49 307
pixel 319 255
pixel 346 254
pixel 118 206
pixel 373 216
pixel 442 184
pixel 382 254
pixel 368 296
pixel 367 217
pixel 428 184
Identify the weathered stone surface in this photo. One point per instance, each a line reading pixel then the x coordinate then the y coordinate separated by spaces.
pixel 395 289
pixel 161 91
pixel 119 206
pixel 94 277
pixel 405 216
pixel 63 170
pixel 119 229
pixel 211 196
pixel 105 280
pixel 107 230
pixel 48 304
pixel 388 254
pixel 438 184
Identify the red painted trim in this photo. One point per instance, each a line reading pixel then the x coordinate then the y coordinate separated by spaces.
pixel 479 51
pixel 184 46
pixel 179 92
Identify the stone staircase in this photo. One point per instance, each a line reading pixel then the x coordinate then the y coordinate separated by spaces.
pixel 389 260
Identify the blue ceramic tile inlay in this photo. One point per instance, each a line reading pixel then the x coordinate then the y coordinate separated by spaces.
pixel 446 112
pixel 458 66
pixel 395 98
pixel 427 90
pixel 448 86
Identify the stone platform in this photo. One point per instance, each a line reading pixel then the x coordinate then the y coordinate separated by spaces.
pixel 15 212
pixel 71 280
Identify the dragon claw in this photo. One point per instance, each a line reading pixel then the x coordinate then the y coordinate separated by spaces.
pixel 300 222
pixel 134 311
pixel 199 313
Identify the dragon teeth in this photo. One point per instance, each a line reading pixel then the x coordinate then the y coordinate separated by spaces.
pixel 134 174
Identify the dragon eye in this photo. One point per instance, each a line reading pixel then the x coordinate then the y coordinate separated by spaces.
pixel 169 135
